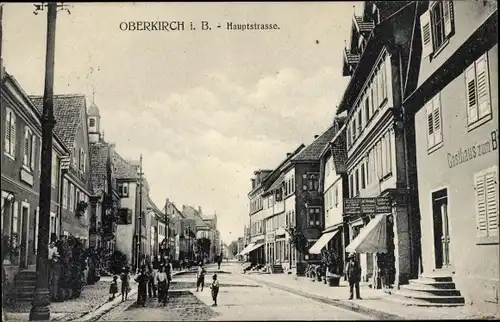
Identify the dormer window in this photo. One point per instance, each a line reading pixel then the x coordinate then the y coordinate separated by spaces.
pixel 92 122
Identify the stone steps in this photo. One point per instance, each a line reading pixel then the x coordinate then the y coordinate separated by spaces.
pixel 25 283
pixel 429 290
pixel 277 269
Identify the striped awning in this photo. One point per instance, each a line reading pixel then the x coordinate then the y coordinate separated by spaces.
pixel 322 241
pixel 247 249
pixel 255 247
pixel 372 238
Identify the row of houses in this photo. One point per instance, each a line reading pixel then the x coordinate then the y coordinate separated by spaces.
pixel 407 175
pixel 97 195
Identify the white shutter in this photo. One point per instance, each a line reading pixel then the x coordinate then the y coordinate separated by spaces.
pixel 483 86
pixel 26 146
pixel 84 162
pixel 448 17
pixel 33 151
pixel 430 124
pixel 470 87
pixel 438 130
pixel 16 215
pixel 481 219
pixel 491 185
pixel 8 116
pixel 37 218
pixel 425 28
pixel 13 134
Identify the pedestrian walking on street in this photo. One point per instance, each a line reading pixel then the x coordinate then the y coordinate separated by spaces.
pixel 219 261
pixel 200 277
pixel 151 283
pixel 161 279
pixel 125 278
pixel 353 275
pixel 113 288
pixel 215 289
pixel 142 279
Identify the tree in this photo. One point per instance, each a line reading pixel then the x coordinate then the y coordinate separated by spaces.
pixel 233 248
pixel 203 245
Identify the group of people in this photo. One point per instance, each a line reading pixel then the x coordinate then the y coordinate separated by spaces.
pixel 153 282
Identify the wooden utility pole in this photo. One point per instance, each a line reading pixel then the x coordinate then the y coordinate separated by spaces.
pixel 40 309
pixel 139 239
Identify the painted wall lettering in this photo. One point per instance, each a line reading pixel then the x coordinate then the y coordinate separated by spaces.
pixel 463 155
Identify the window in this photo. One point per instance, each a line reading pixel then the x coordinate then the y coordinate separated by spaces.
pixel 434 126
pixel 486 186
pixel 354 129
pixel 29 149
pixel 53 225
pixel 363 177
pixel 78 197
pixel 361 125
pixel 348 136
pixel 356 181
pixel 73 157
pixel 65 194
pixel 388 155
pixel 436 26
pixel 15 218
pixel 367 112
pixel 314 217
pixel 71 197
pixel 92 122
pixel 351 186
pixel 10 133
pixel 478 91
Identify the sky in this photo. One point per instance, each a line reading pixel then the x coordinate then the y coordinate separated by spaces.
pixel 204 108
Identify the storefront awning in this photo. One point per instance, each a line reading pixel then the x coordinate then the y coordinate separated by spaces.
pixel 322 241
pixel 246 250
pixel 372 238
pixel 255 247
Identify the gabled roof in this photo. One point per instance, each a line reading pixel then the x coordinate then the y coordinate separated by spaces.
pixel 68 114
pixel 99 166
pixel 123 170
pixel 313 151
pixel 191 213
pixel 150 204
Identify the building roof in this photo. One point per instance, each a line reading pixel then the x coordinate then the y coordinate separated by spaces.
pixel 278 183
pixel 123 169
pixel 68 114
pixel 99 166
pixel 191 213
pixel 150 204
pixel 313 151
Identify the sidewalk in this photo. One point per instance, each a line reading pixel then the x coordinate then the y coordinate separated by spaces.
pixel 92 303
pixel 373 304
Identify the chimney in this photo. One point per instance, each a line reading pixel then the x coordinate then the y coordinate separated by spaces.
pixel 199 210
pixel 316 136
pixel 253 183
pixel 288 154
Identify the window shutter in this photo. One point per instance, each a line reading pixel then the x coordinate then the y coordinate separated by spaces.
pixel 448 17
pixel 425 28
pixel 8 116
pixel 13 134
pixel 430 125
pixel 481 219
pixel 33 149
pixel 438 130
pixel 492 203
pixel 483 86
pixel 26 146
pixel 470 83
pixel 84 161
pixel 16 215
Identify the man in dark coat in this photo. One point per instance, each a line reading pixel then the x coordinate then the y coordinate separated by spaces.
pixel 353 275
pixel 142 279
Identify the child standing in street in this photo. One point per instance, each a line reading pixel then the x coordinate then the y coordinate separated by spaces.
pixel 200 277
pixel 215 289
pixel 113 288
pixel 125 277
